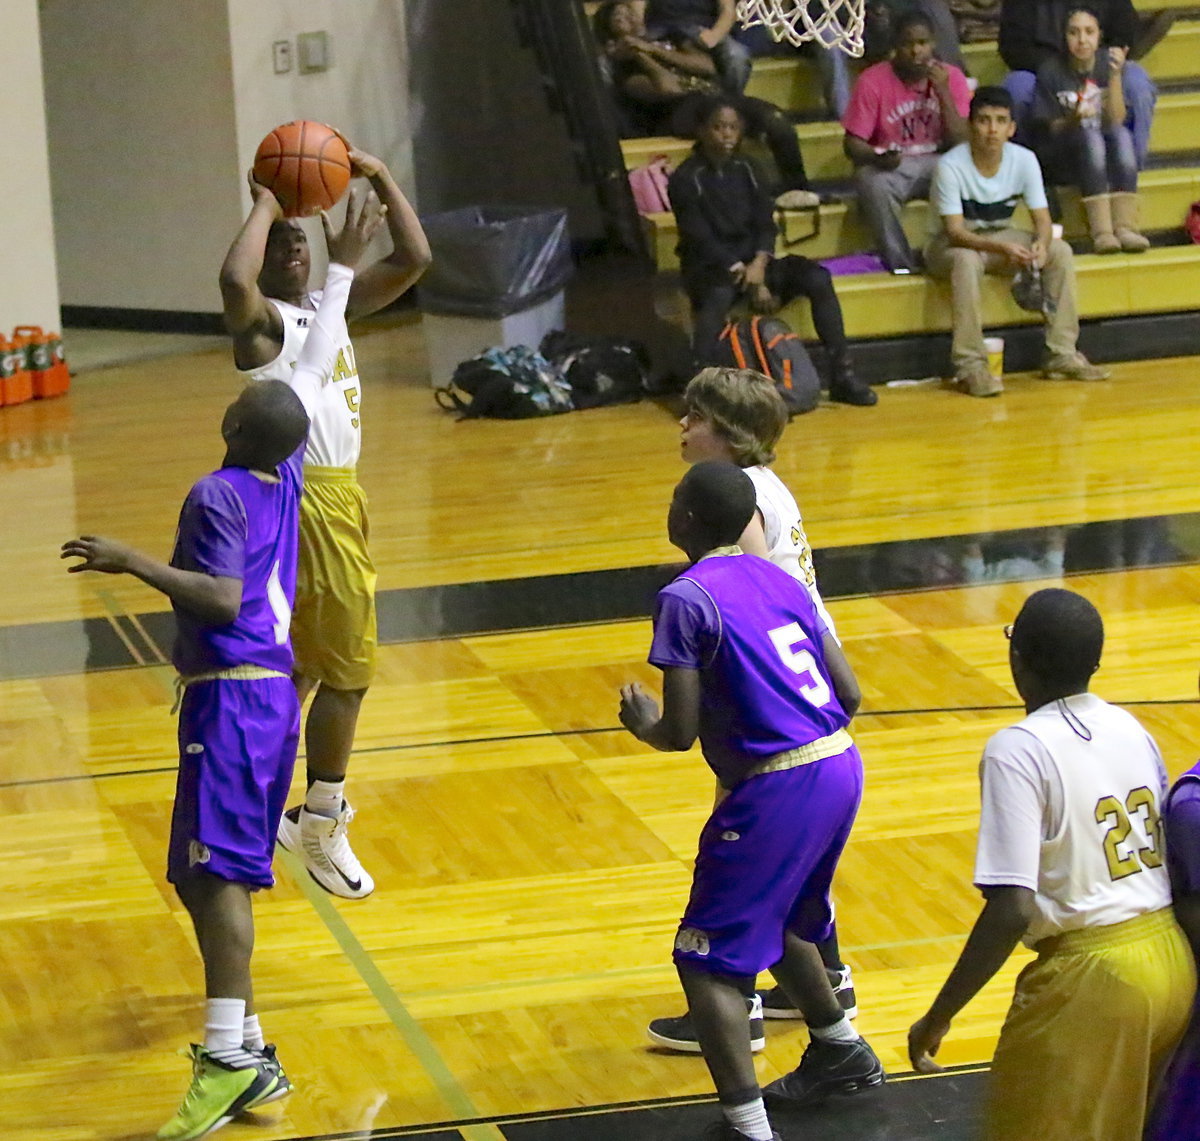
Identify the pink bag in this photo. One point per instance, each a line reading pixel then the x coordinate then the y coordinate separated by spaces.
pixel 649 186
pixel 1192 223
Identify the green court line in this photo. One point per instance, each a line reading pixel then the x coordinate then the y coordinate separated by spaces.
pixel 422 1047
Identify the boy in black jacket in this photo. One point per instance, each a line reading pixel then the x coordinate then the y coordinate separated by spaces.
pixel 727 250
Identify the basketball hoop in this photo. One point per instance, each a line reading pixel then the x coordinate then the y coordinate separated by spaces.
pixel 837 24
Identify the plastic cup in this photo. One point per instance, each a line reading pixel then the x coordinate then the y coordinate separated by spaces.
pixel 995 356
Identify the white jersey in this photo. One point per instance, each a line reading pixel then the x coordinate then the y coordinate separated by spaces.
pixel 335 437
pixel 787 545
pixel 1071 808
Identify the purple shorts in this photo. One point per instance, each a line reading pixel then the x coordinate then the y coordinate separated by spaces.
pixel 237 748
pixel 1176 1115
pixel 766 861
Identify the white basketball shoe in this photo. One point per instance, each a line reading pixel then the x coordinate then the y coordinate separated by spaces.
pixel 321 842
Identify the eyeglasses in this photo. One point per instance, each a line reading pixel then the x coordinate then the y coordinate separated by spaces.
pixel 1008 631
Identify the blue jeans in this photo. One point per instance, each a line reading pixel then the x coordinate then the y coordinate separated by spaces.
pixel 831 63
pixel 1099 160
pixel 732 59
pixel 1140 97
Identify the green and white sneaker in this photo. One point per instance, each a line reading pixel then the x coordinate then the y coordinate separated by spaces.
pixel 283 1085
pixel 217 1094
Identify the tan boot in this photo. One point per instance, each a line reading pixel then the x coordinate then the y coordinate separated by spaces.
pixel 1100 224
pixel 1125 223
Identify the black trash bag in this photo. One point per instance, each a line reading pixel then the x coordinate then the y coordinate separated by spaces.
pixel 490 261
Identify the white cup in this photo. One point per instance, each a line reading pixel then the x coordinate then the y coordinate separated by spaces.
pixel 995 356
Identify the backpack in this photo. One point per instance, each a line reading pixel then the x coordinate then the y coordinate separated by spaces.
pixel 506 384
pixel 1192 223
pixel 649 186
pixel 768 345
pixel 600 370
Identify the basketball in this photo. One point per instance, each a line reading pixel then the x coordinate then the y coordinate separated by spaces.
pixel 305 165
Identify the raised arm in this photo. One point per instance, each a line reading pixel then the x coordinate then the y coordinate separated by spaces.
pixel 346 247
pixel 380 284
pixel 252 321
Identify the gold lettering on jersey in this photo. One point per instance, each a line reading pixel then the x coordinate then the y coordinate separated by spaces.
pixel 345 367
pixel 351 395
pixel 1110 811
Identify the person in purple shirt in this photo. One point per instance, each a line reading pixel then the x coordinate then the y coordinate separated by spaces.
pixel 749 668
pixel 1176 1115
pixel 231 581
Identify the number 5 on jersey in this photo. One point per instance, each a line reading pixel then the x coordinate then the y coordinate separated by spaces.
pixel 787 640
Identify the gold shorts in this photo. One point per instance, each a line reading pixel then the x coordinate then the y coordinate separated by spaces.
pixel 334 631
pixel 1092 1025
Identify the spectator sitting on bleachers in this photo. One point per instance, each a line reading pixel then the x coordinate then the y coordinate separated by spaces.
pixel 1080 134
pixel 708 23
pixel 662 85
pixel 882 16
pixel 975 192
pixel 903 111
pixel 727 249
pixel 1031 32
pixel 832 64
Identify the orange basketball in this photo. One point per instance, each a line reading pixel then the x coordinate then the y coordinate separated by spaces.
pixel 305 164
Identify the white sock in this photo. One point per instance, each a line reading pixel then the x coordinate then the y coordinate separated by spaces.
pixel 749 1118
pixel 324 797
pixel 252 1035
pixel 223 1020
pixel 841 1031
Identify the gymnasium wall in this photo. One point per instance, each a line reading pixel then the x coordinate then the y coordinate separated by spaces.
pixel 28 286
pixel 143 150
pixel 154 112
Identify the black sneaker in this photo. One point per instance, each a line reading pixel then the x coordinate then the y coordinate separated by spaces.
pixel 776 1003
pixel 828 1069
pixel 679 1034
pixel 846 388
pixel 723 1131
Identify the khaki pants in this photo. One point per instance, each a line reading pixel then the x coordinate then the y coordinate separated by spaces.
pixel 965 269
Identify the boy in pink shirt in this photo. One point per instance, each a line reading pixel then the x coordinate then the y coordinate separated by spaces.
pixel 903 112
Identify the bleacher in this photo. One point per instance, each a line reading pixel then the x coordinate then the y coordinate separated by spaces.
pixel 1164 280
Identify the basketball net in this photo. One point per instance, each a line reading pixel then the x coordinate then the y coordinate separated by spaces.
pixel 837 24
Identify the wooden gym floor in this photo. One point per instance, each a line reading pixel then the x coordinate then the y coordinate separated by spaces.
pixel 531 858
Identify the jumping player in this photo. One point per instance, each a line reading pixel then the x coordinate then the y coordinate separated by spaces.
pixel 738 416
pixel 749 667
pixel 1070 859
pixel 231 582
pixel 268 312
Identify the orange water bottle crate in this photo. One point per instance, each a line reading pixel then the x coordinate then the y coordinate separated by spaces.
pixel 44 360
pixel 16 385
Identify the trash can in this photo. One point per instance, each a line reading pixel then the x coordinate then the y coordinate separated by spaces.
pixel 497 278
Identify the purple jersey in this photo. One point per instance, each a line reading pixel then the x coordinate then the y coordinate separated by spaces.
pixel 753 633
pixel 1176 1115
pixel 1181 817
pixel 236 524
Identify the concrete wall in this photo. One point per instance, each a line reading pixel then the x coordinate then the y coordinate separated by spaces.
pixel 154 113
pixel 28 286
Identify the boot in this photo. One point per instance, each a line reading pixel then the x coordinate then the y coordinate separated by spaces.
pixel 1125 223
pixel 1100 224
pixel 846 388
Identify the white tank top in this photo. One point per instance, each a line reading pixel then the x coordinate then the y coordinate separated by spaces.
pixel 335 437
pixel 1101 858
pixel 787 545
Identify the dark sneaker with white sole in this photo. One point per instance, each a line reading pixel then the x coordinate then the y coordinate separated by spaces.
pixel 723 1131
pixel 679 1034
pixel 828 1069
pixel 776 1003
